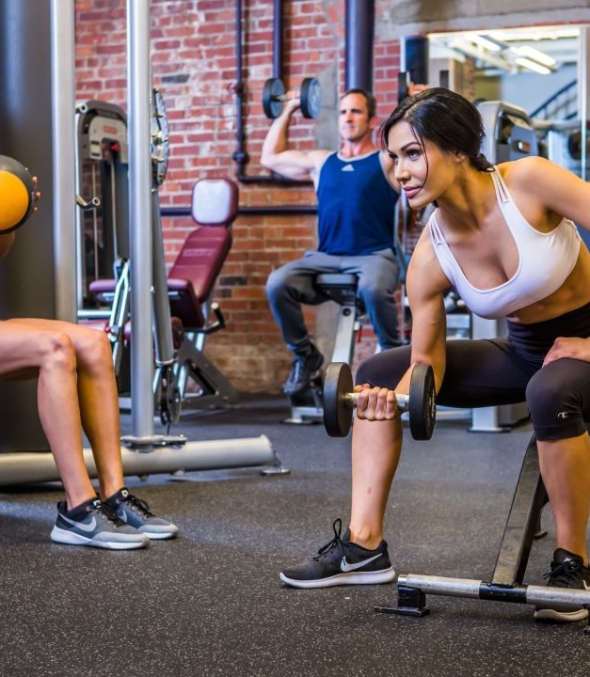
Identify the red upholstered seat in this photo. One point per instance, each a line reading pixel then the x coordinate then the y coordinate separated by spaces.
pixel 192 277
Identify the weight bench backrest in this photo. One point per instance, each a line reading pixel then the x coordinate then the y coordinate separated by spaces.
pixel 193 275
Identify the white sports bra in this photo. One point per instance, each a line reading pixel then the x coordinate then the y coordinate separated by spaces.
pixel 545 261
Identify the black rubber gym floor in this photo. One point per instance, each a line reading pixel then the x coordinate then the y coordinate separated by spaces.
pixel 210 603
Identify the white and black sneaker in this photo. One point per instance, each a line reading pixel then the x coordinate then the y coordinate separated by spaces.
pixel 567 571
pixel 341 562
pixel 93 524
pixel 137 513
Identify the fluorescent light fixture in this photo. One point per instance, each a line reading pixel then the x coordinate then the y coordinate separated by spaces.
pixel 533 65
pixel 486 43
pixel 535 55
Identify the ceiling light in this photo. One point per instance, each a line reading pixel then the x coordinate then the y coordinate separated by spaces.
pixel 533 65
pixel 535 54
pixel 486 43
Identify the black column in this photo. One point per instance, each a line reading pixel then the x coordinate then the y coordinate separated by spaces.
pixel 360 31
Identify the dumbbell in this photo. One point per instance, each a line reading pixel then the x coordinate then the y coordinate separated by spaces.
pixel 340 400
pixel 310 96
pixel 17 194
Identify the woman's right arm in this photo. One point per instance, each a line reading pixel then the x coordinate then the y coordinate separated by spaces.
pixel 426 285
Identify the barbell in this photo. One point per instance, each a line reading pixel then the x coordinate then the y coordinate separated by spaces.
pixel 17 194
pixel 274 94
pixel 340 400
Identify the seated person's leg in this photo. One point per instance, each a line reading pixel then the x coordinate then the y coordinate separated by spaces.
pixel 378 281
pixel 287 288
pixel 75 389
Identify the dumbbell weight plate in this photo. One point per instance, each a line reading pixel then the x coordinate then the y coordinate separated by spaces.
pixel 422 402
pixel 337 407
pixel 273 88
pixel 311 98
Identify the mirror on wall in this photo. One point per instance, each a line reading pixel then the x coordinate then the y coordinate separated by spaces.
pixel 540 69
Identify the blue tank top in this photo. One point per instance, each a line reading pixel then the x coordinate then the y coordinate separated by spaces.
pixel 355 206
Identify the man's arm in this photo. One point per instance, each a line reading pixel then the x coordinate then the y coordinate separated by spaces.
pixel 276 156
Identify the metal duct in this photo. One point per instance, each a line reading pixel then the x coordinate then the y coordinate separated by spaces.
pixel 358 49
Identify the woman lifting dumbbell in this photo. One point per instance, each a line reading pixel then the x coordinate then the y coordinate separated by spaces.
pixel 504 238
pixel 76 390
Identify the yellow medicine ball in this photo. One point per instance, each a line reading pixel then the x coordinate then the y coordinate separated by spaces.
pixel 16 194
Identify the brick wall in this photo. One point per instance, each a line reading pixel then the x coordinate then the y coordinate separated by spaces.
pixel 194 65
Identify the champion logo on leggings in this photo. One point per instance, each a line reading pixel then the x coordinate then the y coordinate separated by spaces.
pixel 562 414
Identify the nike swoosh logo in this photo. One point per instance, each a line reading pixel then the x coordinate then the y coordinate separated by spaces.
pixel 81 525
pixel 346 566
pixel 122 515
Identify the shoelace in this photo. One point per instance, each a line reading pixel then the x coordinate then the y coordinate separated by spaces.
pixel 107 513
pixel 336 542
pixel 139 505
pixel 564 573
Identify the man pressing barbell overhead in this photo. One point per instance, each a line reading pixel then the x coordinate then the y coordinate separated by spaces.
pixel 356 197
pixel 76 390
pixel 505 238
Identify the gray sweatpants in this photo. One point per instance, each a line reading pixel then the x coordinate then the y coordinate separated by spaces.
pixel 291 285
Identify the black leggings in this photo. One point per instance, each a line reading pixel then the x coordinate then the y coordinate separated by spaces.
pixel 492 372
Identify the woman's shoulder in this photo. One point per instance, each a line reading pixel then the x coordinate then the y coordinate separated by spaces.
pixel 536 177
pixel 521 170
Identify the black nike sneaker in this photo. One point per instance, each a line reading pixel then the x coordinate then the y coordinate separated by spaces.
pixel 567 571
pixel 341 562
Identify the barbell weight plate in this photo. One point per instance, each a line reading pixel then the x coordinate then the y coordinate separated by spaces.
pixel 311 98
pixel 337 408
pixel 422 402
pixel 272 105
pixel 17 194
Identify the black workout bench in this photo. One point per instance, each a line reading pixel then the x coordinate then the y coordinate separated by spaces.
pixel 523 526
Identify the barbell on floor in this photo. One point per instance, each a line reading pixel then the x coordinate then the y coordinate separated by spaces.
pixel 340 400
pixel 274 94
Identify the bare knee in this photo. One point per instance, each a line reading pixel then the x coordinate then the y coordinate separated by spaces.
pixel 57 350
pixel 93 347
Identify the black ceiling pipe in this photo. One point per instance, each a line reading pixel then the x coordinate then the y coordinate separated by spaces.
pixel 358 48
pixel 277 36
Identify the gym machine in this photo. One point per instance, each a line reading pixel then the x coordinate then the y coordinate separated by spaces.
pixel 506 583
pixel 307 407
pixel 41 117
